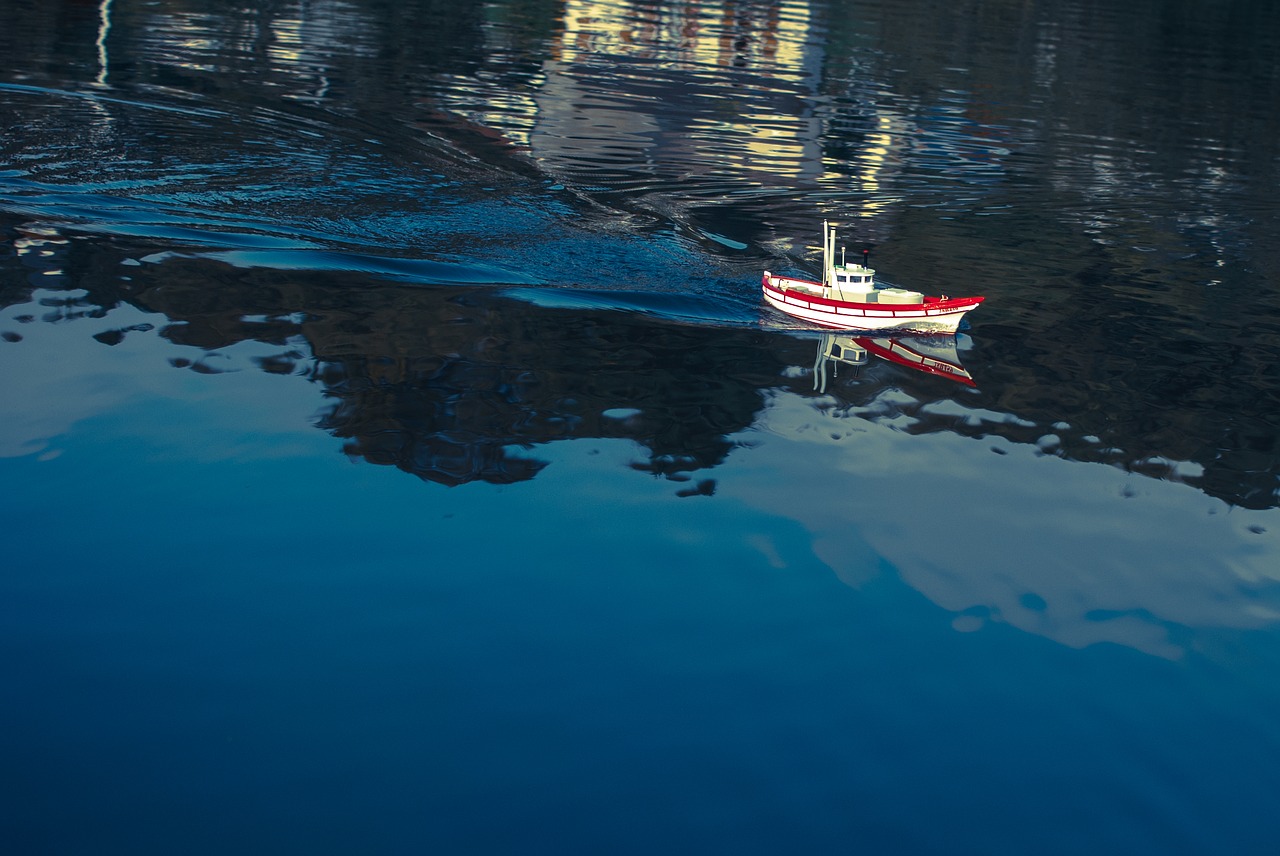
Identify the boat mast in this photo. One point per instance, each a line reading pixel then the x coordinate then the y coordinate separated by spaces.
pixel 828 255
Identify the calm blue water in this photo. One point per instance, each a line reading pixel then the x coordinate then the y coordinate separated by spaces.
pixel 397 458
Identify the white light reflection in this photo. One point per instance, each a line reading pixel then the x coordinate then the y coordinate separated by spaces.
pixel 104 27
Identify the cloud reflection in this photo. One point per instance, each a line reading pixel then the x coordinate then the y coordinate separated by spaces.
pixel 1079 553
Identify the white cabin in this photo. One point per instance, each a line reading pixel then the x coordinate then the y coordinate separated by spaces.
pixel 854 282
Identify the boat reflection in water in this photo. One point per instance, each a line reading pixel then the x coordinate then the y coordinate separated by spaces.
pixel 935 355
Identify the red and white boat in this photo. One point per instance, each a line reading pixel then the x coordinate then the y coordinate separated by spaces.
pixel 848 298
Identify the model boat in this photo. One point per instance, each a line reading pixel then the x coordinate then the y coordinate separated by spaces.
pixel 849 299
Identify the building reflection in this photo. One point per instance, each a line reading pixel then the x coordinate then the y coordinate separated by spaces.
pixel 725 117
pixel 693 110
pixel 713 90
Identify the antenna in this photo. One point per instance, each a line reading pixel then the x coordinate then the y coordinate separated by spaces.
pixel 828 237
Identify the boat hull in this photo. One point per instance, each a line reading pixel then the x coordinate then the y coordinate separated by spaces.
pixel 796 298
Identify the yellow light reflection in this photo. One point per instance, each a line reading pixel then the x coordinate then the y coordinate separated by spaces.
pixel 725 34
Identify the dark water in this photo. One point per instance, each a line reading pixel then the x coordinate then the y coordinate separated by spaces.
pixel 398 458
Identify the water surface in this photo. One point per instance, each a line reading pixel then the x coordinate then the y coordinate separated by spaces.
pixel 400 457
